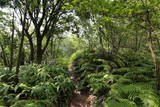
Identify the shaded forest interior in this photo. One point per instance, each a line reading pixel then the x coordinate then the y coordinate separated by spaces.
pixel 79 53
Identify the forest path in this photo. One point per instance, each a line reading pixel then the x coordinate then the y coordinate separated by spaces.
pixel 80 99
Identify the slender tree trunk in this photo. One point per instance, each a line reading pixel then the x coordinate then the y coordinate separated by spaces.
pixel 51 47
pixel 39 50
pixel 156 64
pixel 29 36
pixel 22 61
pixel 4 56
pixel 155 61
pixel 150 45
pixel 158 42
pixel 139 43
pixel 158 75
pixel 19 57
pixel 136 41
pixel 31 57
pixel 12 40
pixel 23 22
pixel 101 38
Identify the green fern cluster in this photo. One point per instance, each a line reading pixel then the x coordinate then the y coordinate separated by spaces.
pixel 141 95
pixel 33 103
pixel 37 83
pixel 126 80
pixel 6 75
pixel 97 84
pixel 136 86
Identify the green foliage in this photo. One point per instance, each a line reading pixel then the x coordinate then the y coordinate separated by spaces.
pixel 126 80
pixel 63 61
pixel 121 71
pixel 33 103
pixel 63 84
pixel 90 61
pixel 137 86
pixel 120 103
pixel 91 68
pixel 137 58
pixel 97 84
pixel 22 91
pixel 28 75
pixel 45 91
pixel 111 58
pixel 6 89
pixel 56 70
pixel 5 74
pixel 135 93
pixel 37 83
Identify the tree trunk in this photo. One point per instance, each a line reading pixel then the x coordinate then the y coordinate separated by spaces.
pixel 51 44
pixel 19 57
pixel 23 22
pixel 22 61
pixel 4 56
pixel 150 45
pixel 155 61
pixel 39 50
pixel 158 42
pixel 12 40
pixel 31 57
pixel 158 75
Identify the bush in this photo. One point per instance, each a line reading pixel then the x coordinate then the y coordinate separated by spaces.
pixel 6 75
pixel 36 83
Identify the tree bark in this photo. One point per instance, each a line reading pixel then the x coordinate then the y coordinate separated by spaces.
pixel 39 50
pixel 19 58
pixel 23 22
pixel 4 56
pixel 31 56
pixel 158 75
pixel 150 45
pixel 12 40
pixel 156 64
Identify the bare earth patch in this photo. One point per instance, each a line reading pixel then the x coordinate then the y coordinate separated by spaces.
pixel 82 100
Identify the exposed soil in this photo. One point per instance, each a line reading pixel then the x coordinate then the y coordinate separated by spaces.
pixel 81 99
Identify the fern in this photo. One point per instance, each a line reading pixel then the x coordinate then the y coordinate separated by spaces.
pixel 43 76
pixel 56 70
pixel 121 71
pixel 6 89
pixel 28 75
pixel 120 103
pixel 5 74
pixel 33 103
pixel 45 91
pixel 63 84
pixel 125 81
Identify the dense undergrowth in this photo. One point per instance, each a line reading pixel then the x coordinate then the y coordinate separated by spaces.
pixel 39 86
pixel 126 80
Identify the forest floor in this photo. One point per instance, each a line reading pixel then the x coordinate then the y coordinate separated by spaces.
pixel 81 99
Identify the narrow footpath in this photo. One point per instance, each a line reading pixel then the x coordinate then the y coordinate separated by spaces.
pixel 81 99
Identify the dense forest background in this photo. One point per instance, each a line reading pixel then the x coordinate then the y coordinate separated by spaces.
pixel 53 52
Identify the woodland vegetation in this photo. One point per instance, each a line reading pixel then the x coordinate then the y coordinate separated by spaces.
pixel 106 48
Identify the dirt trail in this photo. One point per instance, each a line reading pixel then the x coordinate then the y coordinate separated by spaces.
pixel 80 100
